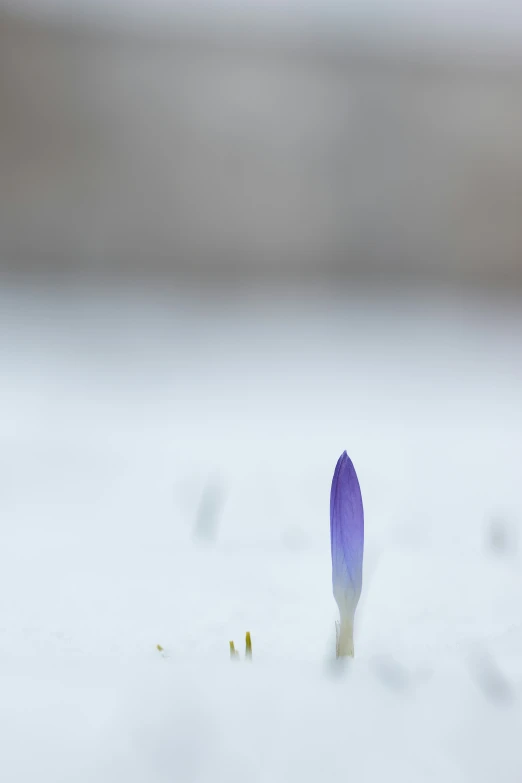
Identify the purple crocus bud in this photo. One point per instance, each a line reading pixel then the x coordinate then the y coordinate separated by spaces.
pixel 347 540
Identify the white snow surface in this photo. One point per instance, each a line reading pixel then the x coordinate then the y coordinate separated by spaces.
pixel 118 412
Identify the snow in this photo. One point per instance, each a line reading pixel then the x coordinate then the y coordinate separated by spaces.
pixel 166 460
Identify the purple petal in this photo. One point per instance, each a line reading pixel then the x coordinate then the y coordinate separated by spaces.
pixel 347 535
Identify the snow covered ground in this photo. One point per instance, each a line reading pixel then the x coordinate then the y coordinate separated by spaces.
pixel 165 473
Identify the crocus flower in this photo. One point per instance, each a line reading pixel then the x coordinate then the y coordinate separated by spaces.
pixel 347 540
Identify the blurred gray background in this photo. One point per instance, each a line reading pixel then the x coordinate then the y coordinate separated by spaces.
pixel 217 148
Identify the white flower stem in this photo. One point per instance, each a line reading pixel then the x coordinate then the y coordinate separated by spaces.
pixel 344 646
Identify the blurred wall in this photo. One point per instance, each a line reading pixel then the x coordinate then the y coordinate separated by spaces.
pixel 204 155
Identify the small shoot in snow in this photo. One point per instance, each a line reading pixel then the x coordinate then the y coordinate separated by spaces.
pixel 248 647
pixel 234 655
